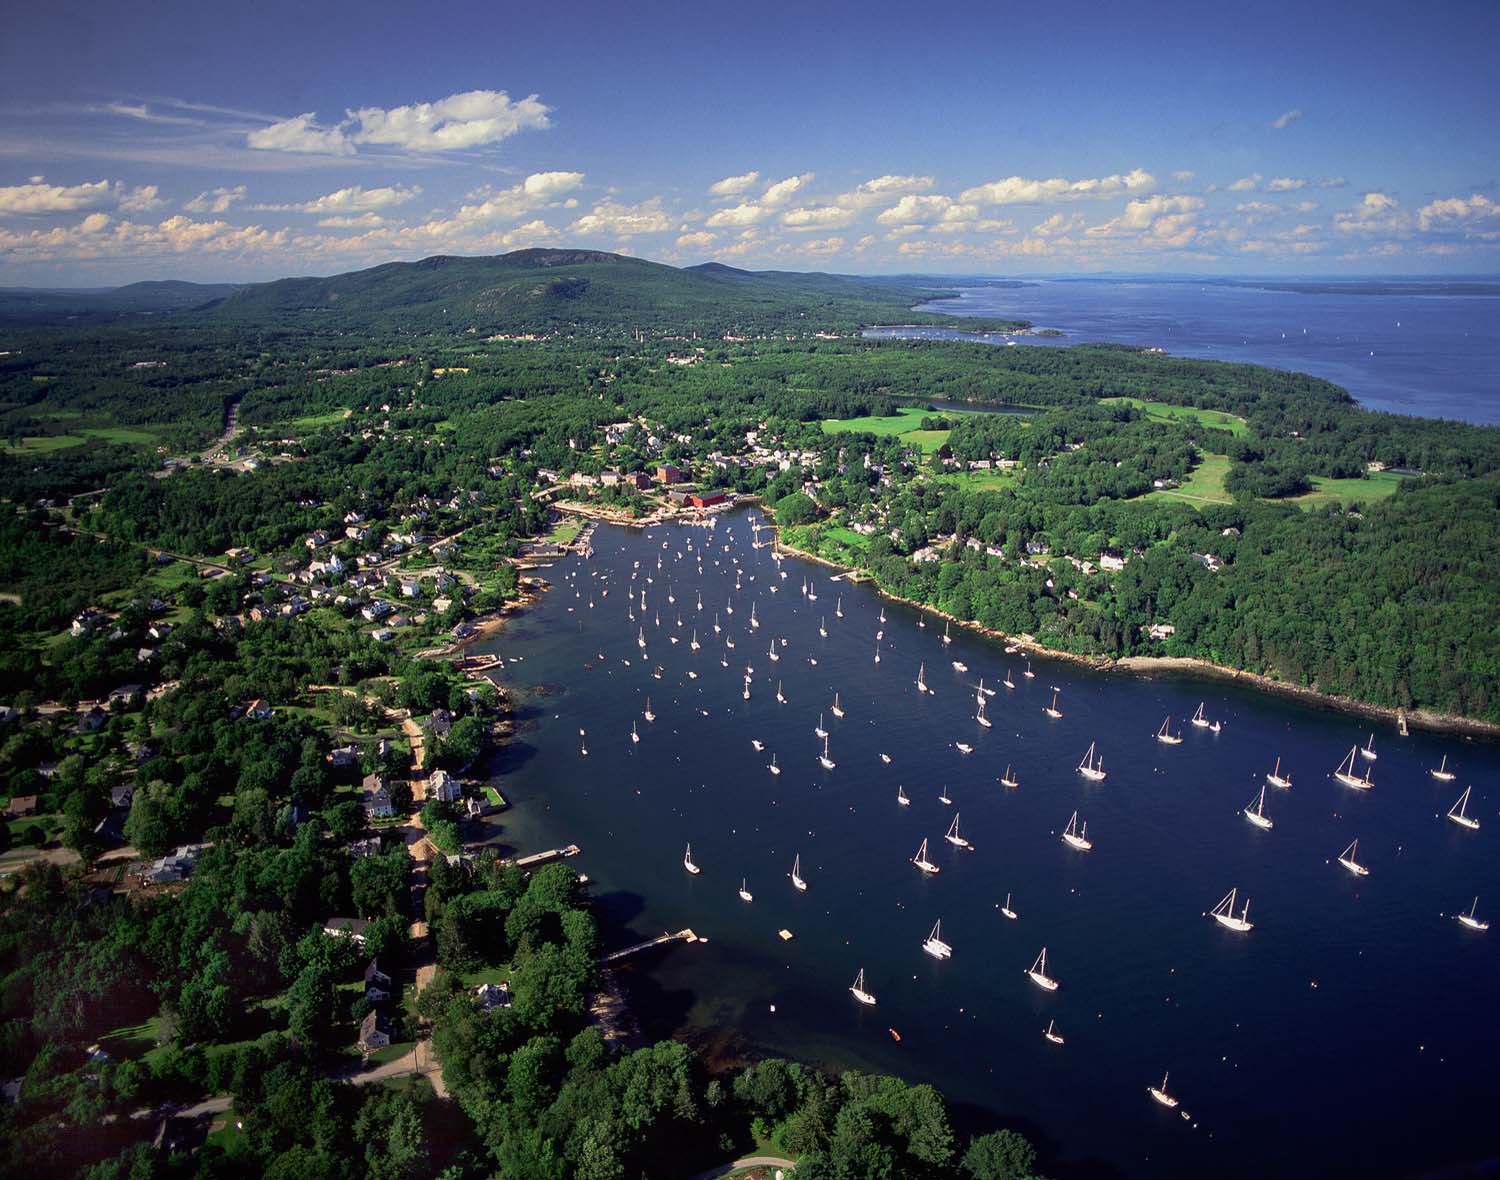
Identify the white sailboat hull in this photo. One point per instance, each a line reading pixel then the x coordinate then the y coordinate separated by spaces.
pixel 1473 923
pixel 1277 780
pixel 1229 922
pixel 862 996
pixel 1094 776
pixel 1443 776
pixel 1162 1096
pixel 926 866
pixel 1354 867
pixel 1077 842
pixel 1258 820
pixel 1465 821
pixel 937 948
pixel 1045 982
pixel 1349 780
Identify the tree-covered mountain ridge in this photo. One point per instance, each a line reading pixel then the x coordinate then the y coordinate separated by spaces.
pixel 559 289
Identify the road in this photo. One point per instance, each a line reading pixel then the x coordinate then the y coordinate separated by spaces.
pixel 749 1161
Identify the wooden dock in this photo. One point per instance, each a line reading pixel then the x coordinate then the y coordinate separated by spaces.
pixel 663 940
pixel 543 858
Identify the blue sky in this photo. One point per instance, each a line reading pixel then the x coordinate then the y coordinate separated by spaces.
pixel 204 142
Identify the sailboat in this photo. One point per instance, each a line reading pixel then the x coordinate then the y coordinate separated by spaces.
pixel 953 837
pixel 1442 773
pixel 901 796
pixel 1008 682
pixel 963 747
pixel 757 744
pixel 780 696
pixel 754 622
pixel 947 638
pixel 820 731
pixel 886 758
pixel 1345 773
pixel 796 874
pixel 1006 910
pixel 1029 674
pixel 921 861
pixel 1092 766
pixel 935 946
pixel 1052 710
pixel 838 610
pixel 960 666
pixel 882 616
pixel 1368 749
pixel 687 861
pixel 1160 1093
pixel 824 760
pixel 1165 736
pixel 640 639
pixel 922 621
pixel 1008 779
pixel 1347 858
pixel 823 627
pixel 1203 722
pixel 1224 914
pixel 746 691
pixel 921 683
pixel 981 718
pixel 944 799
pixel 1470 920
pixel 1277 779
pixel 858 990
pixel 1456 812
pixel 1255 811
pixel 837 710
pixel 877 651
pixel 773 768
pixel 1051 1033
pixel 717 629
pixel 634 736
pixel 1038 973
pixel 745 894
pixel 772 652
pixel 695 645
pixel 1074 838
pixel 648 714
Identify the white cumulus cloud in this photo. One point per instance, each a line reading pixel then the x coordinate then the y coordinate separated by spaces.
pixel 474 118
pixel 215 200
pixel 1285 119
pixel 38 197
pixel 1021 190
pixel 613 217
pixel 734 186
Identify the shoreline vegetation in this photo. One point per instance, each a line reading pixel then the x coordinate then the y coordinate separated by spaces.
pixel 1188 665
pixel 1427 719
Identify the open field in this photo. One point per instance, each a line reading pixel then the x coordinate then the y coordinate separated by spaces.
pixel 1204 486
pixel 904 423
pixel 1378 486
pixel 1161 412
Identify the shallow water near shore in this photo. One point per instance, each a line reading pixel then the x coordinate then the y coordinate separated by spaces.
pixel 1352 1030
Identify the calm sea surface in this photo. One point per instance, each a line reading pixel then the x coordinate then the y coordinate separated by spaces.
pixel 1353 1030
pixel 1409 353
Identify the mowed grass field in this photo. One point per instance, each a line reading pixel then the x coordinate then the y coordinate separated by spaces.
pixel 43 444
pixel 1377 486
pixel 1161 412
pixel 1204 486
pixel 904 424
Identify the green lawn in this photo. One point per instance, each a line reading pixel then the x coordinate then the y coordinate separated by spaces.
pixel 1377 486
pixel 903 423
pixel 1161 412
pixel 318 421
pixel 847 537
pixel 493 797
pixel 565 531
pixel 45 444
pixel 1204 485
pixel 134 1041
pixel 983 481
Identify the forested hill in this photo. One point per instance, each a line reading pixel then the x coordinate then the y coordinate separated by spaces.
pixel 579 290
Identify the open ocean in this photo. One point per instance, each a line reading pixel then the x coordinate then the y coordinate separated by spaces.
pixel 1353 1031
pixel 1415 350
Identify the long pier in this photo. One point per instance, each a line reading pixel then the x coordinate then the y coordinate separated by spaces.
pixel 542 858
pixel 663 940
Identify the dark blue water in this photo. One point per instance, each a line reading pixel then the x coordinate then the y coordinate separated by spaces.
pixel 1433 355
pixel 1353 1030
